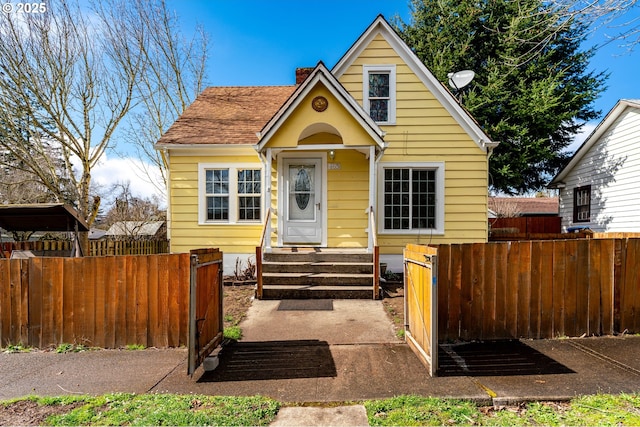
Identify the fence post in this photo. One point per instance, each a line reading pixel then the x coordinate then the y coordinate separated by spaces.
pixel 193 324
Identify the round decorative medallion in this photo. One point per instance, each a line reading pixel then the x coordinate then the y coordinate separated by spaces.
pixel 320 103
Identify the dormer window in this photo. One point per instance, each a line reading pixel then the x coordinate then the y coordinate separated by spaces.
pixel 379 87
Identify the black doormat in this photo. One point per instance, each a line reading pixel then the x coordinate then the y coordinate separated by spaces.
pixel 305 305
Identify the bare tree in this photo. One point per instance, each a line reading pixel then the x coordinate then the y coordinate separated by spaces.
pixel 74 83
pixel 76 76
pixel 173 72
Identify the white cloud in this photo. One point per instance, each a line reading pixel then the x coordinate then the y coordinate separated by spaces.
pixel 117 170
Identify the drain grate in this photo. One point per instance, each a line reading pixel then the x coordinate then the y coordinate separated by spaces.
pixel 306 305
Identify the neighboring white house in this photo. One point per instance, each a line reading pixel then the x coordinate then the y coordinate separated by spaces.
pixel 600 186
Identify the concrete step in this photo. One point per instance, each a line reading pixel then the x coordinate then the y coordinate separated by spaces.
pixel 310 256
pixel 316 292
pixel 308 278
pixel 318 267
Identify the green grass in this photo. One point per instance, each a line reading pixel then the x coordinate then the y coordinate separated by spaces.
pixel 169 409
pixel 72 348
pixel 16 348
pixel 233 332
pixel 600 410
pixel 134 347
pixel 163 409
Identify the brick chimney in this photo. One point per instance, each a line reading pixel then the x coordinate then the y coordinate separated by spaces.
pixel 302 74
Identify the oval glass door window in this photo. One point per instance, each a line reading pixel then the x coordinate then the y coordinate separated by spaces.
pixel 302 188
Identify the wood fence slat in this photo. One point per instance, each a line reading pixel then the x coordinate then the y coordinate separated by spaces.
pixel 513 288
pixel 121 302
pixel 132 299
pixel 546 290
pixel 77 281
pixel 570 288
pixel 594 291
pixel 35 301
pixel 466 293
pixel 582 291
pixel 454 324
pixel 163 299
pixel 524 289
pixel 6 337
pixel 89 285
pixel 174 303
pixel 607 268
pixel 630 296
pixel 152 307
pixel 55 268
pixel 559 273
pixel 142 301
pixel 536 290
pixel 100 331
pixel 68 312
pixel 477 290
pixel 618 280
pixel 501 289
pixel 443 284
pixel 183 292
pixel 111 301
pixel 489 319
pixel 48 308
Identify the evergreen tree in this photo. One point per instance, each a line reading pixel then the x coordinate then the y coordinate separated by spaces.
pixel 532 90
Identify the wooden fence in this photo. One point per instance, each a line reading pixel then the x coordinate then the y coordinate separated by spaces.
pixel 96 247
pixel 538 289
pixel 522 224
pixel 106 302
pixel 421 302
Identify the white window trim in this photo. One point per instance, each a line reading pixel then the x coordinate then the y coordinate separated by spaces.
pixel 439 168
pixel 383 68
pixel 233 193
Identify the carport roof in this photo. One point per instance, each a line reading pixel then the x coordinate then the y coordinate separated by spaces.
pixel 41 217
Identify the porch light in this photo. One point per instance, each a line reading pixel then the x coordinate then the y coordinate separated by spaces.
pixel 332 154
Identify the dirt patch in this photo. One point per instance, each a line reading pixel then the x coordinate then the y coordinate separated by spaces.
pixel 393 302
pixel 30 413
pixel 236 301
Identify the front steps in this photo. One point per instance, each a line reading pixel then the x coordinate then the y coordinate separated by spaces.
pixel 306 273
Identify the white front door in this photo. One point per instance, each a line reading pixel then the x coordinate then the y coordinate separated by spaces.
pixel 302 202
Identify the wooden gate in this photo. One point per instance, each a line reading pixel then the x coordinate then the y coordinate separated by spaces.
pixel 421 304
pixel 206 322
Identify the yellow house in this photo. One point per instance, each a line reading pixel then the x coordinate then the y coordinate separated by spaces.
pixel 363 158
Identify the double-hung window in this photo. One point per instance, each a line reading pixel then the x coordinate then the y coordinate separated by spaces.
pixel 249 194
pixel 217 194
pixel 379 92
pixel 230 194
pixel 412 198
pixel 582 204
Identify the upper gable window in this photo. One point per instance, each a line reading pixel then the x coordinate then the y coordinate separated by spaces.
pixel 379 87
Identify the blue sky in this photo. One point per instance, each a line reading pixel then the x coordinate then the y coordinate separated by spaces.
pixel 262 42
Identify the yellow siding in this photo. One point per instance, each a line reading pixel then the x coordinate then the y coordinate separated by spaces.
pixel 186 233
pixel 426 132
pixel 348 193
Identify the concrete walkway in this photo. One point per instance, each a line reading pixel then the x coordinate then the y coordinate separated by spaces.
pixel 346 354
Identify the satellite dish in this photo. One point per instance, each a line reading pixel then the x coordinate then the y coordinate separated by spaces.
pixel 460 79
